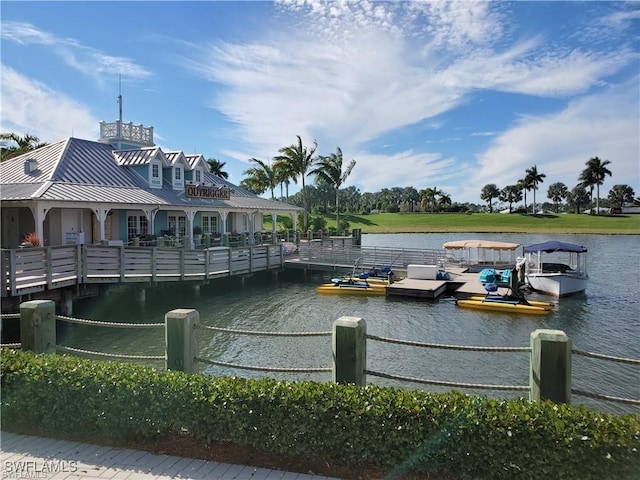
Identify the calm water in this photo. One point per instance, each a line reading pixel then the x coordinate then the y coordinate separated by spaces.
pixel 604 320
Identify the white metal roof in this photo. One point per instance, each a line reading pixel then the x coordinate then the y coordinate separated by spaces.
pixel 76 170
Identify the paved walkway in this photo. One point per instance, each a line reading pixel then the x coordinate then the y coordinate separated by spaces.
pixel 26 457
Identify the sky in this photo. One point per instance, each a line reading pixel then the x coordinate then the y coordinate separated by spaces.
pixel 452 95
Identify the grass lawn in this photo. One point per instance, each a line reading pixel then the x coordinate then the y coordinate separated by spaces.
pixel 488 223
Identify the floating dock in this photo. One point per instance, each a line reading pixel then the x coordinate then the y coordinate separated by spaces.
pixel 461 284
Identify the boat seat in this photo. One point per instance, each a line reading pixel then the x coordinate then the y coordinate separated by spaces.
pixel 490 287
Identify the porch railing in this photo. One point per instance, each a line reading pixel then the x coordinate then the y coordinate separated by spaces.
pixel 31 270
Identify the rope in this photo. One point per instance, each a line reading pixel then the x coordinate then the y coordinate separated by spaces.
pixel 11 345
pixel 631 361
pixel 110 355
pixel 9 316
pixel 598 396
pixel 108 324
pixel 449 347
pixel 268 334
pixel 264 369
pixel 521 388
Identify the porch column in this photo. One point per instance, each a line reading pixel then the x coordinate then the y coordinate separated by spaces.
pixel 252 227
pixel 223 218
pixel 191 214
pixel 294 221
pixel 39 214
pixel 101 215
pixel 274 221
pixel 151 218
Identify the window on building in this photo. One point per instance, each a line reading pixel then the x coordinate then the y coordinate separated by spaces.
pixel 178 225
pixel 178 174
pixel 210 223
pixel 137 225
pixel 198 176
pixel 155 171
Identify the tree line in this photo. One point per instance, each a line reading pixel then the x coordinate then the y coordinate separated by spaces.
pixel 296 162
pixel 577 199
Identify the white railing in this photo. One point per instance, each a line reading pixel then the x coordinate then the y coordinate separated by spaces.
pixel 31 270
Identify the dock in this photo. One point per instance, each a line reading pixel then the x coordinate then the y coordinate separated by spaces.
pixel 462 284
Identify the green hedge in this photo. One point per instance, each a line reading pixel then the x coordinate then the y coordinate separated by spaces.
pixel 398 429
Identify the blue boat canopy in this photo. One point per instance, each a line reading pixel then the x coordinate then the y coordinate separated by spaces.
pixel 555 247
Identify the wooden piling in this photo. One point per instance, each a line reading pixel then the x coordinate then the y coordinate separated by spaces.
pixel 180 339
pixel 349 351
pixel 550 376
pixel 38 326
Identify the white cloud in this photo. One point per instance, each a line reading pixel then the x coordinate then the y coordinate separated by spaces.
pixel 30 107
pixel 602 124
pixel 88 61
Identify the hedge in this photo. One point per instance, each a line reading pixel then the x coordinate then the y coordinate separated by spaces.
pixel 400 430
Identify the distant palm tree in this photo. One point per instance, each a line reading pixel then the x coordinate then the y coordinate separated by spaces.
pixel 298 160
pixel 523 186
pixel 329 170
pixel 510 194
pixel 216 166
pixel 13 145
pixel 263 176
pixel 557 192
pixel 533 178
pixel 428 198
pixel 444 201
pixel 619 195
pixel 488 193
pixel 595 174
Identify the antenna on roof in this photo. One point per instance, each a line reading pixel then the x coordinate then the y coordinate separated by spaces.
pixel 120 98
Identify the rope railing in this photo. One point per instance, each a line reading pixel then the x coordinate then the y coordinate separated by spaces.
pixel 266 334
pixel 98 323
pixel 600 356
pixel 265 369
pixel 65 349
pixel 401 378
pixel 522 388
pixel 610 398
pixel 448 347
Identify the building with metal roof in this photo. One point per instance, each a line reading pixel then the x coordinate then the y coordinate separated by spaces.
pixel 121 188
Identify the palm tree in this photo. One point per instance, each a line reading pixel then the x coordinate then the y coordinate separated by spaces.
pixel 533 178
pixel 523 186
pixel 13 145
pixel 510 194
pixel 595 174
pixel 216 166
pixel 488 193
pixel 557 192
pixel 428 198
pixel 621 194
pixel 444 201
pixel 329 170
pixel 263 176
pixel 577 197
pixel 298 160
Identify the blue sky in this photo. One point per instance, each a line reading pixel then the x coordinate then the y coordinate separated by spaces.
pixel 452 95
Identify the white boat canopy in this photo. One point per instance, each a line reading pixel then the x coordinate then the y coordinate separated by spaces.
pixel 488 244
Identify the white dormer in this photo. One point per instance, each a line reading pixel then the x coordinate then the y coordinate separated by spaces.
pixel 179 166
pixel 197 168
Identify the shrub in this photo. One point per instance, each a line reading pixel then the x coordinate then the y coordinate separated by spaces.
pixel 397 429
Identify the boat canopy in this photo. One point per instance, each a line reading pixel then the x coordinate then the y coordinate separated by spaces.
pixel 554 246
pixel 488 244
